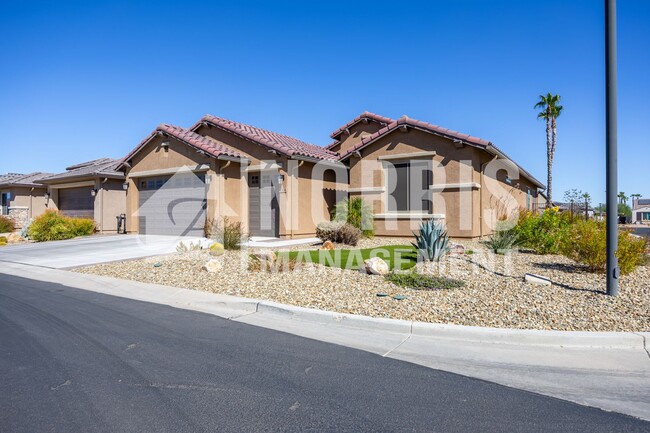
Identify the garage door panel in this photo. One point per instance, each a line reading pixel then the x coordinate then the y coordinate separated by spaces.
pixel 173 205
pixel 76 202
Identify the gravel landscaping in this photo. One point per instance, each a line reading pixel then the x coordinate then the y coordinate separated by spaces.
pixel 494 293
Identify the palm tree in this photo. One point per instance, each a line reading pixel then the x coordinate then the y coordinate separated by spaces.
pixel 622 198
pixel 551 110
pixel 635 196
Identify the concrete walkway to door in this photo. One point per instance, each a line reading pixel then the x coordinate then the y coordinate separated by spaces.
pixel 90 250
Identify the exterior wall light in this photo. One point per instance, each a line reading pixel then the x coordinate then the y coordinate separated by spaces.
pixel 93 192
pixel 125 186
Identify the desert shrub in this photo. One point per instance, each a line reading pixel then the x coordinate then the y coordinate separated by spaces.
pixel 431 241
pixel 631 252
pixel 543 233
pixel 6 224
pixel 229 233
pixel 338 231
pixel 357 213
pixel 82 226
pixel 3 240
pixel 423 282
pixel 586 243
pixel 502 240
pixel 52 226
pixel 183 247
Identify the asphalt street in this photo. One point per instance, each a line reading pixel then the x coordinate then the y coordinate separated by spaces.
pixel 79 361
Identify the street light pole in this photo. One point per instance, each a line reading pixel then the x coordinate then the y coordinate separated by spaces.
pixel 611 145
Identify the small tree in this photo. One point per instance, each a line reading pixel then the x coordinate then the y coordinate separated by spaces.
pixel 572 197
pixel 587 198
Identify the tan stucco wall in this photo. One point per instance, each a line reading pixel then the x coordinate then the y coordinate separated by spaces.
pixel 27 202
pixel 110 202
pixel 356 133
pixel 467 200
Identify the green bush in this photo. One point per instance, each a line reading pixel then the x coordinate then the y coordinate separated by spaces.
pixel 52 226
pixel 339 232
pixel 229 233
pixel 543 233
pixel 586 243
pixel 357 213
pixel 3 240
pixel 423 282
pixel 502 240
pixel 6 224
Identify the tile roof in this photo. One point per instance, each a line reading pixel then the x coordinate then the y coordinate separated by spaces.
pixel 16 179
pixel 642 202
pixel 438 130
pixel 188 137
pixel 103 167
pixel 365 115
pixel 282 143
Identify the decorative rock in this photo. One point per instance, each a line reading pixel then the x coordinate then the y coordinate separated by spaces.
pixel 268 256
pixel 457 249
pixel 212 266
pixel 537 279
pixel 376 266
pixel 327 245
pixel 216 249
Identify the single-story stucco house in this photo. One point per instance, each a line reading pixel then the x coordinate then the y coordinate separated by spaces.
pixel 22 197
pixel 93 189
pixel 641 210
pixel 279 186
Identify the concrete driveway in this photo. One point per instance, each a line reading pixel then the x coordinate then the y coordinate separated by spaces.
pixel 89 250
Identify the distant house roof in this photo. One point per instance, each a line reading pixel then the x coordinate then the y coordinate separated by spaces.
pixel 279 142
pixel 25 180
pixel 365 116
pixel 103 167
pixel 207 145
pixel 440 131
pixel 642 202
pixel 577 206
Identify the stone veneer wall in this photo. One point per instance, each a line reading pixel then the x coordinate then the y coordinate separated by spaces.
pixel 20 215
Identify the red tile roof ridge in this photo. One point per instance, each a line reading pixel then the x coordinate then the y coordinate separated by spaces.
pixel 365 115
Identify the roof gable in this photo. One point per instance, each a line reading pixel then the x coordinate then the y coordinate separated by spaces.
pixel 455 136
pixel 187 137
pixel 363 117
pixel 279 142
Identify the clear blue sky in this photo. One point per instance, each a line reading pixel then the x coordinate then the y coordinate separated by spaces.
pixel 81 79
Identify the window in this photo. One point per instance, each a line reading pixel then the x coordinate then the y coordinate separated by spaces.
pixel 408 186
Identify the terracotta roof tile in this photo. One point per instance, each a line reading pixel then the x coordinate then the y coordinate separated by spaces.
pixel 438 130
pixel 279 142
pixel 365 115
pixel 188 137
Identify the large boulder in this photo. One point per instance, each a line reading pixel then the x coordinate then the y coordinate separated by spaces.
pixel 212 266
pixel 376 266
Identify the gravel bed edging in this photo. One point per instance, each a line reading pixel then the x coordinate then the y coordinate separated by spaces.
pixel 476 334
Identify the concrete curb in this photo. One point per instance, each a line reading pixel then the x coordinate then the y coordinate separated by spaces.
pixel 232 306
pixel 476 334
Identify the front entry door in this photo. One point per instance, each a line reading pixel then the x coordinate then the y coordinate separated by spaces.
pixel 263 207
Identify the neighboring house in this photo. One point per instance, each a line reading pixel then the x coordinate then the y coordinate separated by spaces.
pixel 178 179
pixel 21 197
pixel 577 208
pixel 641 210
pixel 225 169
pixel 92 189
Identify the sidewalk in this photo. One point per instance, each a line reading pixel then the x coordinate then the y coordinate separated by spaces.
pixel 606 370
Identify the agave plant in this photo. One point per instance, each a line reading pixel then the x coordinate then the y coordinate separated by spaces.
pixel 431 241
